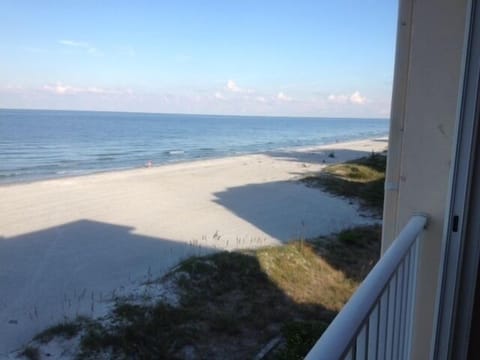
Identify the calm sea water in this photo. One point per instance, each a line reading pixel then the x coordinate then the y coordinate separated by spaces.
pixel 41 144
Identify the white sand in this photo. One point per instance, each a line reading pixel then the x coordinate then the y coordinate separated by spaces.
pixel 67 244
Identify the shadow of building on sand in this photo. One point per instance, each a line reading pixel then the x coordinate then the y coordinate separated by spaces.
pixel 63 271
pixel 318 156
pixel 288 210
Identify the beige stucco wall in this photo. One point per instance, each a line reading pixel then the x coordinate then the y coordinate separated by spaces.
pixel 428 76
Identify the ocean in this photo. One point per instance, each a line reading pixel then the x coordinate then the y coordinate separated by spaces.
pixel 44 144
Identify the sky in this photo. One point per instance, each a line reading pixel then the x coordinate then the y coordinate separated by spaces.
pixel 245 57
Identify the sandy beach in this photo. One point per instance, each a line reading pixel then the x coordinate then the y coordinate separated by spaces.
pixel 66 245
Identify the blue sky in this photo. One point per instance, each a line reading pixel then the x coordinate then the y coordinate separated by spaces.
pixel 298 58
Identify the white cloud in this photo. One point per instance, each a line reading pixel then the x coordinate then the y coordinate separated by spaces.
pixel 355 98
pixel 81 45
pixel 97 90
pixel 97 96
pixel 62 89
pixel 218 95
pixel 338 99
pixel 13 87
pixel 72 43
pixel 283 97
pixel 233 87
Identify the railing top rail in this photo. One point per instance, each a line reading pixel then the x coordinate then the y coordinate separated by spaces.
pixel 338 336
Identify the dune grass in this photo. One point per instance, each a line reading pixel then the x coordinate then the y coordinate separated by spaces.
pixel 233 303
pixel 31 353
pixel 362 179
pixel 66 330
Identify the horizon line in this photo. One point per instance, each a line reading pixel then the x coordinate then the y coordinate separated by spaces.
pixel 198 114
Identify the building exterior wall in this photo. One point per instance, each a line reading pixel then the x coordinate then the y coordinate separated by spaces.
pixel 427 83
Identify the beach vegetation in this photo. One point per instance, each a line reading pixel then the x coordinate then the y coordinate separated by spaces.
pixel 66 330
pixel 299 337
pixel 362 179
pixel 238 302
pixel 234 303
pixel 31 353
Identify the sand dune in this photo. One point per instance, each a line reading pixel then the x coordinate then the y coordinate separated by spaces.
pixel 67 244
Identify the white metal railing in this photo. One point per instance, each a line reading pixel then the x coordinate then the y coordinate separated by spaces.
pixel 376 323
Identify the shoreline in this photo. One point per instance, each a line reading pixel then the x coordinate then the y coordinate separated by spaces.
pixel 68 244
pixel 189 161
pixel 50 177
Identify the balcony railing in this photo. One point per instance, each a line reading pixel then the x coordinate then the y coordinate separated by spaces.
pixel 376 323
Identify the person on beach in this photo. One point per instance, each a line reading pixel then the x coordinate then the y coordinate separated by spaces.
pixel 149 164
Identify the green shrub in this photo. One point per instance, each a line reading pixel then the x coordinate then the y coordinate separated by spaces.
pixel 300 337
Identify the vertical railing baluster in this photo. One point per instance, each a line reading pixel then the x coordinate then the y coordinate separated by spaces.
pixel 409 293
pixel 361 343
pixel 373 332
pixel 391 315
pixel 411 301
pixel 401 343
pixel 367 336
pixel 395 316
pixel 382 328
pixel 399 309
